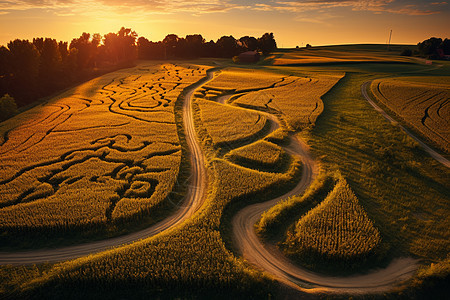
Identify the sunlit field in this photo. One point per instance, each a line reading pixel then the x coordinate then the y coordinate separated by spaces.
pixel 298 186
pixel 421 102
pixel 345 54
pixel 103 153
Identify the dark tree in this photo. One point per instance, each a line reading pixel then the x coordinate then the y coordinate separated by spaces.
pixel 194 46
pixel 171 43
pixel 249 43
pixel 5 69
pixel 50 66
pixel 8 107
pixel 428 48
pixel 445 46
pixel 149 50
pixel 267 44
pixel 25 69
pixel 86 50
pixel 227 46
pixel 210 49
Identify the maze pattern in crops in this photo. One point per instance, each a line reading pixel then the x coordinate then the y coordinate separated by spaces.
pixel 102 152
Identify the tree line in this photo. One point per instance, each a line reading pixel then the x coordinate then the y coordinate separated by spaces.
pixel 33 69
pixel 432 48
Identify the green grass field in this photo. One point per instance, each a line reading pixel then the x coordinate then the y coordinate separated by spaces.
pixel 115 169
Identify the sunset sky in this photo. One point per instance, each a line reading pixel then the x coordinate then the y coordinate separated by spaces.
pixel 317 22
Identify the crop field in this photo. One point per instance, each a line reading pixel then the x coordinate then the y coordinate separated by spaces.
pixel 337 229
pixel 274 222
pixel 422 102
pixel 298 101
pixel 103 152
pixel 331 187
pixel 228 125
pixel 335 55
pixel 260 153
pixel 240 80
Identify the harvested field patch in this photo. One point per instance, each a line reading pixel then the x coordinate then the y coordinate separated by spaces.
pixel 260 154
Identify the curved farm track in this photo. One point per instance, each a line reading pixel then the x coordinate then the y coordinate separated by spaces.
pixel 271 260
pixel 263 256
pixel 193 201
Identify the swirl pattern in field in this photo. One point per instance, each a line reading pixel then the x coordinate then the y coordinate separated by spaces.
pixel 105 151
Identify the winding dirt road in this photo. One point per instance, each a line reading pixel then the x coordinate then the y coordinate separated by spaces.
pixel 427 148
pixel 192 202
pixel 271 260
pixel 266 257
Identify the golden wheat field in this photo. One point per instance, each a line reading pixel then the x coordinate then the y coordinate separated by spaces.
pixel 239 80
pixel 104 151
pixel 297 100
pixel 336 228
pixel 322 55
pixel 260 152
pixel 422 102
pixel 226 124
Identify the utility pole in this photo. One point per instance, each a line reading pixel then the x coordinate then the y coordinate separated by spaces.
pixel 389 43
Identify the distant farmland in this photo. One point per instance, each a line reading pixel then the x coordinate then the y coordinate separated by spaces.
pixel 422 102
pixel 211 179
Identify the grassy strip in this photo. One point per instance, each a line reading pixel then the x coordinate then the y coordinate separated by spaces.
pixel 381 164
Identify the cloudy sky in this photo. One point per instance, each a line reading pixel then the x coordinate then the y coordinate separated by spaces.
pixel 317 22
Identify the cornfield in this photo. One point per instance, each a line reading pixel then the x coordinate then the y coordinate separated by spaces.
pixel 338 228
pixel 297 100
pixel 259 153
pixel 103 152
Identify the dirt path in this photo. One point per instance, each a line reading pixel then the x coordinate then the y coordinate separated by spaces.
pixel 427 148
pixel 193 201
pixel 266 257
pixel 271 260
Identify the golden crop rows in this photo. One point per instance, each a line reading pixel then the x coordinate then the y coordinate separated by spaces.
pixel 191 255
pixel 105 151
pixel 194 255
pixel 240 80
pixel 260 152
pixel 226 124
pixel 338 228
pixel 327 56
pixel 296 99
pixel 424 106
